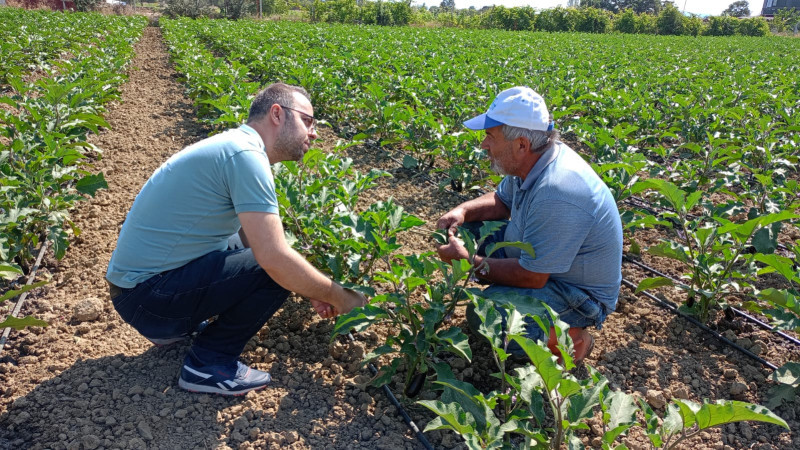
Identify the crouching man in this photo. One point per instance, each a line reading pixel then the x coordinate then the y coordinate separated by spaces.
pixel 552 199
pixel 172 268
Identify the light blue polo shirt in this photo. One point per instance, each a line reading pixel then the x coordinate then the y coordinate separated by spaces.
pixel 188 208
pixel 566 212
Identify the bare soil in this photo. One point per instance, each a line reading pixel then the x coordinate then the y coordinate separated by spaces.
pixel 90 381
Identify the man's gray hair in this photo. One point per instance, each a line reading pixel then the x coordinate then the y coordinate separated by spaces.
pixel 280 93
pixel 540 140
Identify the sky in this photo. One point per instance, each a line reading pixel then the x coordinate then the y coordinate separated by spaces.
pixel 702 7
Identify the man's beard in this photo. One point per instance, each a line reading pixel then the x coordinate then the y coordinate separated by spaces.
pixel 286 143
pixel 497 168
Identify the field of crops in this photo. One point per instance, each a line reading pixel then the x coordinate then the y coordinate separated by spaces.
pixel 56 73
pixel 696 137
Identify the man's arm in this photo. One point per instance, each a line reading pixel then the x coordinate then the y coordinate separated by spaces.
pixel 243 238
pixel 509 272
pixel 486 207
pixel 288 268
pixel 505 271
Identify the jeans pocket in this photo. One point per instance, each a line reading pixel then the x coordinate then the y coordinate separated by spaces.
pixel 153 326
pixel 581 309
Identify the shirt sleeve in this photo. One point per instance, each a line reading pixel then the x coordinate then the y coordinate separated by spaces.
pixel 505 191
pixel 556 230
pixel 250 183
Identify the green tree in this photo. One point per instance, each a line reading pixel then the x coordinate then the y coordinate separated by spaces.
pixel 448 5
pixel 722 26
pixel 786 19
pixel 670 21
pixel 754 26
pixel 625 22
pixel 593 20
pixel 738 8
pixel 615 6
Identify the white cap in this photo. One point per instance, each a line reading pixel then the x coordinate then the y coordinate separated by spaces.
pixel 519 107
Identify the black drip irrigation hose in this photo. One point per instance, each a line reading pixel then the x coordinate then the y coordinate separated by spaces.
pixel 652 209
pixel 736 311
pixel 411 425
pixel 21 301
pixel 674 309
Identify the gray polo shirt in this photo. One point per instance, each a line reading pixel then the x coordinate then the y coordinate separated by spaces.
pixel 566 212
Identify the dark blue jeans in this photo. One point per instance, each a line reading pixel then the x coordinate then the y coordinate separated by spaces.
pixel 230 285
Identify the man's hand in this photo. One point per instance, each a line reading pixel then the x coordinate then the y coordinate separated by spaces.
pixel 451 221
pixel 453 250
pixel 351 299
pixel 325 310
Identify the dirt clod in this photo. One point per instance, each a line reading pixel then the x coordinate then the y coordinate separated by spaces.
pixel 88 309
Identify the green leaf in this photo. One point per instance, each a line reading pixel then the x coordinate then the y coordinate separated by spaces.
pixel 9 272
pixel 452 416
pixel 581 406
pixel 524 246
pixel 650 283
pixel 543 360
pixel 90 184
pixel 788 373
pixel 459 342
pixel 674 195
pixel 621 409
pixel 781 264
pixel 782 298
pixel 765 240
pixel 409 162
pixel 386 373
pixel 382 350
pixel 18 324
pixel 359 319
pixel 781 393
pixel 692 199
pixel 728 411
pixel 22 290
pixel 676 420
pixel 669 250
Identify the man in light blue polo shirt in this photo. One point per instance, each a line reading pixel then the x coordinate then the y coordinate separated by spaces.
pixel 172 268
pixel 553 200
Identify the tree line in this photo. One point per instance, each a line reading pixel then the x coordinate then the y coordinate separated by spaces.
pixel 589 16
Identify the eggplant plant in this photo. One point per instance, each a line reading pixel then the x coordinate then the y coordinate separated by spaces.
pixel 423 293
pixel 318 201
pixel 46 160
pixel 541 405
pixel 714 249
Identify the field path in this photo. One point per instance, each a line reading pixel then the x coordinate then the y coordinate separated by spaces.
pixel 89 381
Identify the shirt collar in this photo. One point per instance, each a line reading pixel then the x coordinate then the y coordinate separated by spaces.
pixel 537 169
pixel 248 130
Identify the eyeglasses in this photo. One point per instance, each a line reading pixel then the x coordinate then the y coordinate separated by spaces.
pixel 309 121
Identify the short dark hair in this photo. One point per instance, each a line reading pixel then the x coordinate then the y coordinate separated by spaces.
pixel 280 93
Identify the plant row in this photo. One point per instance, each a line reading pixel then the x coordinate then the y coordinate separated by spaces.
pixel 540 402
pixel 31 39
pixel 46 161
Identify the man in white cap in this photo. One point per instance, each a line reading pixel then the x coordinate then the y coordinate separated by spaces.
pixel 553 200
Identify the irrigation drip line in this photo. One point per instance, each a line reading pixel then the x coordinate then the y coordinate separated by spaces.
pixel 674 309
pixel 736 311
pixel 411 425
pixel 21 301
pixel 652 209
